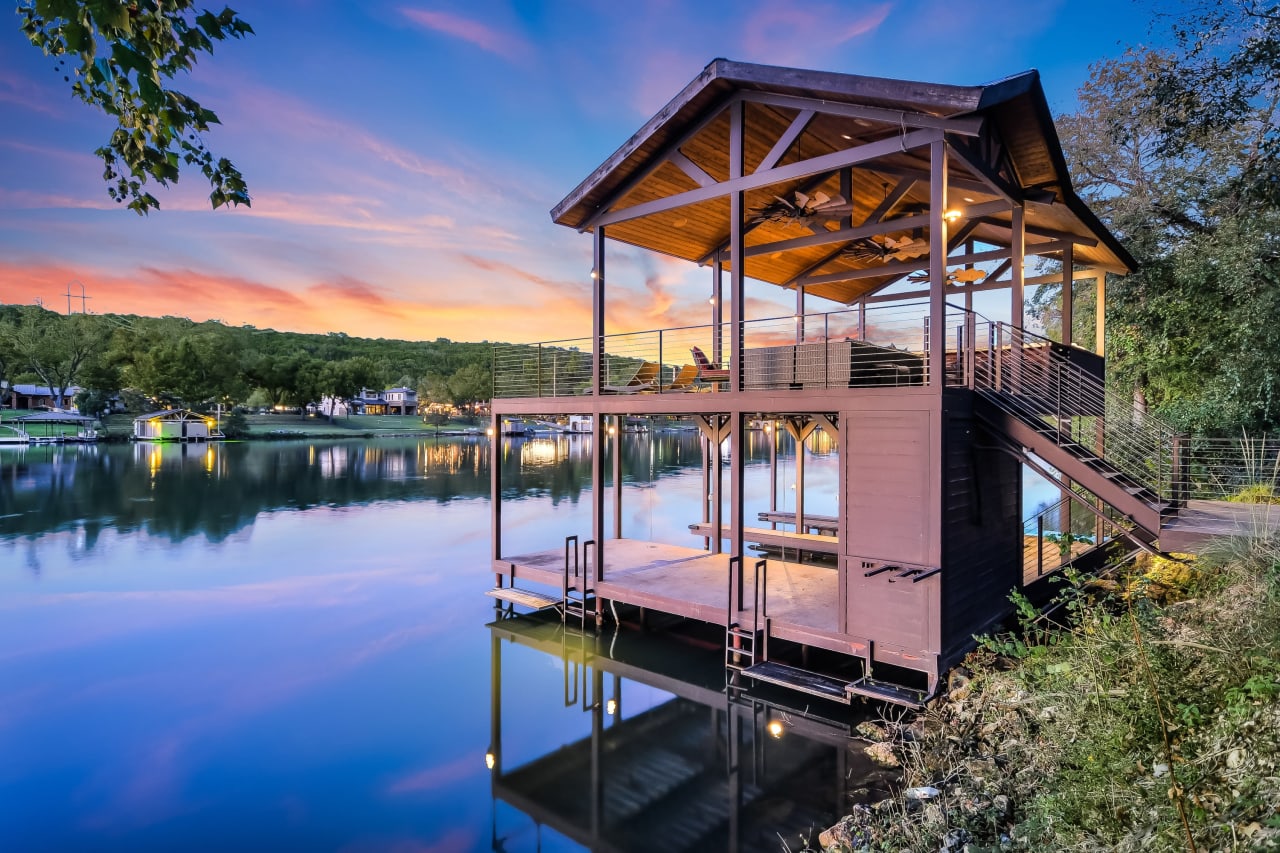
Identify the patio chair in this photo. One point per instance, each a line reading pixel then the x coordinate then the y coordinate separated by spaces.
pixel 644 378
pixel 682 381
pixel 708 372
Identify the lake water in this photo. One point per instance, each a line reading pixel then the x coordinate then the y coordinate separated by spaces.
pixel 287 646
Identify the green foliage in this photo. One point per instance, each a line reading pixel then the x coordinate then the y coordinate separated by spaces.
pixel 1102 730
pixel 235 425
pixel 1178 152
pixel 176 361
pixel 120 56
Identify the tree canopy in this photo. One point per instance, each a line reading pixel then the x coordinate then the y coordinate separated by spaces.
pixel 1179 153
pixel 121 57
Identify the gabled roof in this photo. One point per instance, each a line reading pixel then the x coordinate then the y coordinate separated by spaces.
pixel 1013 123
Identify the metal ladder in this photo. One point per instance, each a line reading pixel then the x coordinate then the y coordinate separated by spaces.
pixel 740 643
pixel 575 589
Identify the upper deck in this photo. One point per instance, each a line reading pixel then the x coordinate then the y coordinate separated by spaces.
pixel 876 347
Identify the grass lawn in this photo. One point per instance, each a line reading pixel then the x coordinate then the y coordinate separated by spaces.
pixel 121 425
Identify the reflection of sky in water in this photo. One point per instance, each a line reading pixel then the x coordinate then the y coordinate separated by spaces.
pixel 283 645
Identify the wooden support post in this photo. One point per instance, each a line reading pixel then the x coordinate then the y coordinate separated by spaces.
pixel 737 453
pixel 495 491
pixel 771 431
pixel 937 263
pixel 1068 277
pixel 598 438
pixel 616 448
pixel 968 290
pixel 737 250
pixel 598 378
pixel 799 313
pixel 717 493
pixel 1100 320
pixel 717 313
pixel 1017 270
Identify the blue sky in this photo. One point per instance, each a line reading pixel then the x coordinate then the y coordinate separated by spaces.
pixel 402 156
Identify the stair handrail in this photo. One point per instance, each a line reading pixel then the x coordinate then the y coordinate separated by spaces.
pixel 1083 411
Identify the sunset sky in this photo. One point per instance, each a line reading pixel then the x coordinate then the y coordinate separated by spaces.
pixel 403 156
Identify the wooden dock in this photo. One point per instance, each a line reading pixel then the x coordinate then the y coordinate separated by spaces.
pixel 801 599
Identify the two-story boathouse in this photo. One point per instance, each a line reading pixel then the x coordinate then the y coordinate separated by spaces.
pixel 891 203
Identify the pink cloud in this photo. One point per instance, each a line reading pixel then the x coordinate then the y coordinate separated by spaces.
pixel 791 34
pixel 506 45
pixel 26 93
pixel 436 776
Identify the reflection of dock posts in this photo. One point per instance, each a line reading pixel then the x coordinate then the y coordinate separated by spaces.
pixel 597 744
pixel 493 758
pixel 734 738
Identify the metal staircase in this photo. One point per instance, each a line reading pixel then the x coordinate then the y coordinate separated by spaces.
pixel 1051 401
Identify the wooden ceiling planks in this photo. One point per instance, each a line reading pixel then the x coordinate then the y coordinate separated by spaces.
pixel 697 120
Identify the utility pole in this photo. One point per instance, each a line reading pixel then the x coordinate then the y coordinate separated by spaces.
pixel 83 296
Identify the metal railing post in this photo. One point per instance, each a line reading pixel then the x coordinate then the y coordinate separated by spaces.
pixel 539 370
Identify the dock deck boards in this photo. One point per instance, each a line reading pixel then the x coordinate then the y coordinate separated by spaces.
pixel 690 582
pixel 1201 520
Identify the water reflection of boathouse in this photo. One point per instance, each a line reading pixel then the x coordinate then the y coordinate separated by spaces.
pixel 898 203
pixel 696 768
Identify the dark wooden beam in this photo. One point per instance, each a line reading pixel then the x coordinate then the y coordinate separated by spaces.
pixel 963 125
pixel 798 124
pixel 886 205
pixel 803 187
pixel 922 174
pixel 778 174
pixel 642 174
pixel 1037 231
pixel 690 168
pixel 997 184
pixel 900 268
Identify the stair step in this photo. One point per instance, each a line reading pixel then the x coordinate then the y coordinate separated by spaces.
pixel 887 692
pixel 813 683
pixel 523 597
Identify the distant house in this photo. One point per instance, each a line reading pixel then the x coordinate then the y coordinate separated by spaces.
pixel 393 401
pixel 39 396
pixel 174 425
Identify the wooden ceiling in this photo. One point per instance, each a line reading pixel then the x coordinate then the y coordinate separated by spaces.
pixel 686 146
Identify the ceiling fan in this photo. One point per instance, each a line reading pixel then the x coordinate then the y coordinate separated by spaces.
pixel 804 209
pixel 885 249
pixel 966 276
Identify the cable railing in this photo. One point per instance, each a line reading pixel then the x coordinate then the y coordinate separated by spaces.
pixel 1245 469
pixel 1058 534
pixel 1063 388
pixel 881 346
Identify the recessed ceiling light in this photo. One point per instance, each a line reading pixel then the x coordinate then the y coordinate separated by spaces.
pixel 966 198
pixel 681 222
pixel 845 136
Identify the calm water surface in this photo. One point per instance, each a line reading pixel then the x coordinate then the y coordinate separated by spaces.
pixel 287 646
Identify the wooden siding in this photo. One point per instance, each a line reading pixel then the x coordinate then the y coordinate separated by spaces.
pixel 887 456
pixel 981 529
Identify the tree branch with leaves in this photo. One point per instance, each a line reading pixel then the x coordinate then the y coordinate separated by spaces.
pixel 121 56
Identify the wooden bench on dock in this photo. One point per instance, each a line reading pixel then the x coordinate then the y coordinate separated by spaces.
pixel 775 538
pixel 825 525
